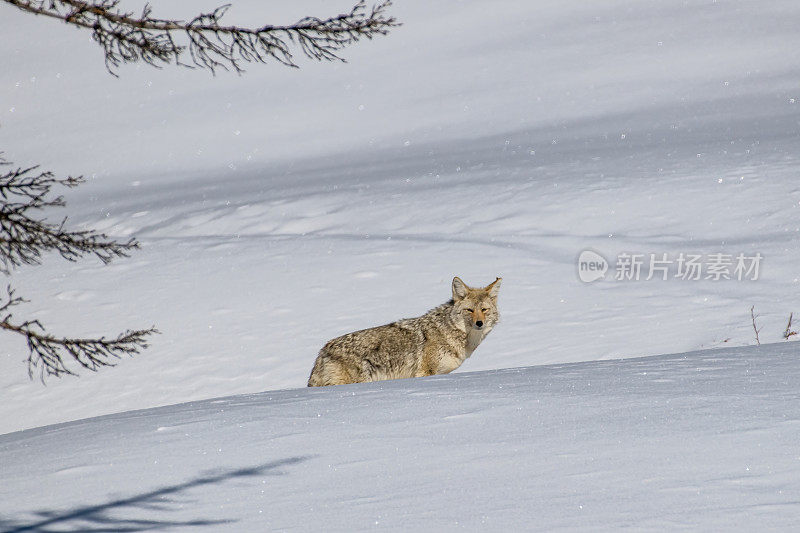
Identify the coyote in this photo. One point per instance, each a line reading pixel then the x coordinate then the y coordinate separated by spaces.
pixel 434 343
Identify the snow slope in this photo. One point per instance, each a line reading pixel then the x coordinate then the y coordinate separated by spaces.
pixel 704 441
pixel 284 207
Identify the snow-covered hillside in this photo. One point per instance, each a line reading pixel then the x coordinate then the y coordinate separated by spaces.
pixel 284 207
pixel 702 441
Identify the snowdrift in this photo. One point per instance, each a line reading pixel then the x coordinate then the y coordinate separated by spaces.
pixel 701 440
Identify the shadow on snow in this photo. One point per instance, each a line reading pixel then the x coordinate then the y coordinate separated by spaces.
pixel 100 518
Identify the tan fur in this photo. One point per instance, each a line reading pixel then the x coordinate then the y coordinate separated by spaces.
pixel 434 343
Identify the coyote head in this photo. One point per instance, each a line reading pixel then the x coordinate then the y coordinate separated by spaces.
pixel 476 307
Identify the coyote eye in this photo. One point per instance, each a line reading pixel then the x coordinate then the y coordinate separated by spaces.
pixel 470 310
pixel 483 310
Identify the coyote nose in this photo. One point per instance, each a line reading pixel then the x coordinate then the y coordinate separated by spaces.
pixel 479 323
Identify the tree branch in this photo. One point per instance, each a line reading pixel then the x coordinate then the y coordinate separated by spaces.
pixel 46 352
pixel 23 238
pixel 128 38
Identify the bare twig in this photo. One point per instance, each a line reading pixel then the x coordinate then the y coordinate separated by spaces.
pixel 128 38
pixel 46 352
pixel 756 329
pixel 789 332
pixel 24 238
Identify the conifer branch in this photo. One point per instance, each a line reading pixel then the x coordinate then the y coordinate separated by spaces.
pixel 23 238
pixel 127 38
pixel 47 353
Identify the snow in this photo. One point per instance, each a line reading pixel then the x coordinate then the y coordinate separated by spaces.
pixel 703 440
pixel 283 207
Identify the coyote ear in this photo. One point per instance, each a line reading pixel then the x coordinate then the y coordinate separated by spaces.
pixel 494 288
pixel 459 289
